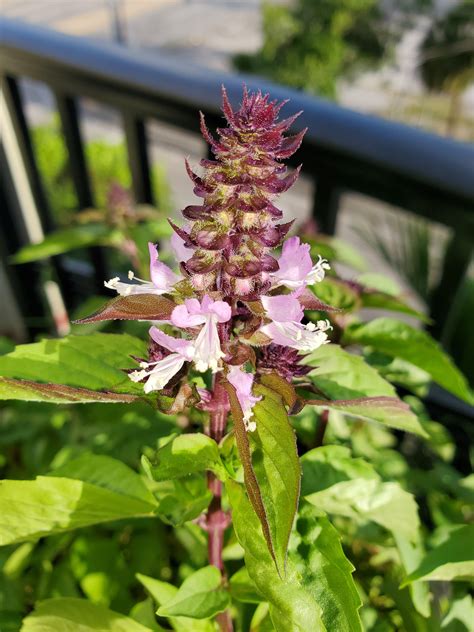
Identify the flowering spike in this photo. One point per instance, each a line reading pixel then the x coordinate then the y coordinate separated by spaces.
pixel 231 306
pixel 226 106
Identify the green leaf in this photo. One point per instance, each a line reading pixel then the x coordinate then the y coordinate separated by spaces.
pixel 200 596
pixel 335 249
pixel 94 363
pixel 451 560
pixel 243 588
pixel 341 375
pixel 163 592
pixel 261 620
pixel 276 466
pixel 54 504
pixel 337 294
pixel 400 340
pixel 411 554
pixel 389 411
pixel 331 464
pixel 293 604
pixel 183 455
pixel 108 473
pixel 317 553
pixel 182 499
pixel 63 241
pixel 460 616
pixel 379 282
pixel 380 300
pixel 340 485
pixel 77 615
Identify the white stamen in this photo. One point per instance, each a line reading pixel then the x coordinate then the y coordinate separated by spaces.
pixel 131 274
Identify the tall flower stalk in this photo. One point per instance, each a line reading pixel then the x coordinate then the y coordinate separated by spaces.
pixel 237 306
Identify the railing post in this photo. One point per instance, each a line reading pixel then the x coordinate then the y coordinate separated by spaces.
pixel 138 159
pixel 457 258
pixel 326 204
pixel 40 211
pixel 69 116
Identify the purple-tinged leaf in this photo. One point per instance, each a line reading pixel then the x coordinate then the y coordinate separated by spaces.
pixel 133 307
pixel 389 411
pixel 11 388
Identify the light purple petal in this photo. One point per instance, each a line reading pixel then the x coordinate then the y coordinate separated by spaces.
pixel 283 308
pixel 178 345
pixel 243 382
pixel 179 249
pixel 162 276
pixel 222 310
pixel 183 316
pixel 294 263
pixel 304 338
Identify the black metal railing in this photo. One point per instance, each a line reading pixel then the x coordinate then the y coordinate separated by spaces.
pixel 343 151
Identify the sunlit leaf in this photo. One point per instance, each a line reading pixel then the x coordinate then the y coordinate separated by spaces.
pixel 293 604
pixel 400 340
pixel 338 484
pixel 96 362
pixel 163 592
pixel 389 411
pixel 200 596
pixel 183 455
pixel 98 489
pixel 77 615
pixel 276 465
pixel 451 560
pixel 342 375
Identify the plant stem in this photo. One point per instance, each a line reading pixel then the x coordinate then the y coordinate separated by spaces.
pixel 323 424
pixel 216 519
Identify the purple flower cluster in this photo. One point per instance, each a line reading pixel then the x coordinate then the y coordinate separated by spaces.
pixel 238 305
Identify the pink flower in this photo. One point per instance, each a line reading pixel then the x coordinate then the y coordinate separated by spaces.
pixel 243 382
pixel 158 374
pixel 286 329
pixel 296 268
pixel 162 278
pixel 208 313
pixel 180 251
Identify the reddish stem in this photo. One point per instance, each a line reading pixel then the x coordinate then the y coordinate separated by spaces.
pixel 321 430
pixel 216 519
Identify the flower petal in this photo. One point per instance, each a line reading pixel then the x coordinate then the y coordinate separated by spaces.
pixel 162 276
pixel 180 345
pixel 283 308
pixel 161 373
pixel 243 382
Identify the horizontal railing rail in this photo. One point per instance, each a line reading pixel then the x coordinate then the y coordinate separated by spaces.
pixel 342 151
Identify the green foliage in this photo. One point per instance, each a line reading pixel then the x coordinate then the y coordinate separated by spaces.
pixel 447 64
pixel 275 461
pixel 309 44
pixel 91 490
pixel 96 362
pixel 453 559
pixel 184 455
pixel 346 555
pixel 108 165
pixel 77 615
pixel 400 340
pixel 163 593
pixel 351 487
pixel 201 596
